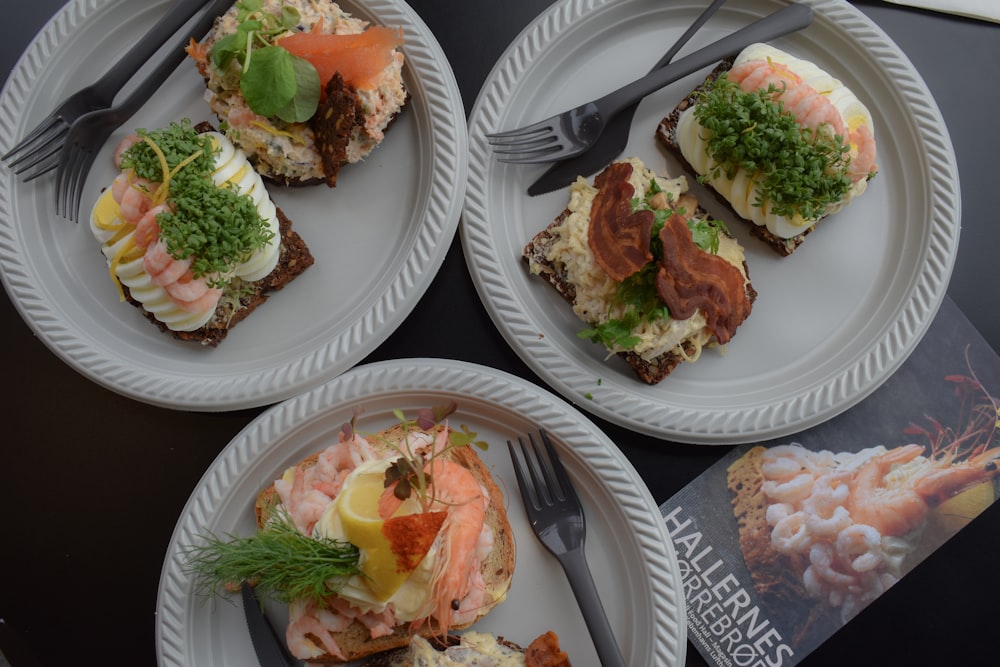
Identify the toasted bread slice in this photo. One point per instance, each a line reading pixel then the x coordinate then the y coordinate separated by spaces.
pixel 497 568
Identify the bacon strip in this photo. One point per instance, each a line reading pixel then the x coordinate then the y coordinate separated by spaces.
pixel 691 279
pixel 619 239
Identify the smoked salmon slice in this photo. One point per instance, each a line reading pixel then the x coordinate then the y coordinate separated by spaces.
pixel 360 58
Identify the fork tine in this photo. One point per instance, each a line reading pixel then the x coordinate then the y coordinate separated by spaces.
pixel 82 172
pixel 548 154
pixel 34 140
pixel 527 485
pixel 555 468
pixel 541 126
pixel 33 165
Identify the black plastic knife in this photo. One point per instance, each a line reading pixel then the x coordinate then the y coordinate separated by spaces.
pixel 267 644
pixel 613 140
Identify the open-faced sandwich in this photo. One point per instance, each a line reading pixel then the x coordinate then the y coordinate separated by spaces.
pixel 780 141
pixel 375 539
pixel 475 648
pixel 653 277
pixel 301 86
pixel 191 235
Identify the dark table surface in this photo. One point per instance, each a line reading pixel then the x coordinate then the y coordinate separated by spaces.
pixel 70 594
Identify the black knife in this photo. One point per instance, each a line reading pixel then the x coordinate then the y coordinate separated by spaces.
pixel 615 136
pixel 267 643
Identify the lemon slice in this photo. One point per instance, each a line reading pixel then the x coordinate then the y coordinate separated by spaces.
pixel 955 513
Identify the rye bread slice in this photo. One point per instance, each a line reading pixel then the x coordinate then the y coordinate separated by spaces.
pixel 666 134
pixel 294 258
pixel 497 569
pixel 650 371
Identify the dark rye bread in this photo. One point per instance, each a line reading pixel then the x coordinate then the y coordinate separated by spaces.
pixel 535 254
pixel 497 568
pixel 294 258
pixel 666 134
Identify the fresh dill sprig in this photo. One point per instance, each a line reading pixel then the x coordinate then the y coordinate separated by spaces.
pixel 278 560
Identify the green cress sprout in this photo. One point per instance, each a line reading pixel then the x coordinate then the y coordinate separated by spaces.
pixel 217 227
pixel 800 171
pixel 273 82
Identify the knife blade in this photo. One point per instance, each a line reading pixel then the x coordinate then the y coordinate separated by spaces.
pixel 613 140
pixel 267 643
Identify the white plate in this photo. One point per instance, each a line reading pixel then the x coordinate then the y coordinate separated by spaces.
pixel 632 558
pixel 379 237
pixel 831 322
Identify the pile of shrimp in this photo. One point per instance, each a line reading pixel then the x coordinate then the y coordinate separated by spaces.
pixel 853 518
pixel 458 589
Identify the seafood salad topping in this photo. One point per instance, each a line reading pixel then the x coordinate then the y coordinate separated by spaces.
pixel 404 530
pixel 851 520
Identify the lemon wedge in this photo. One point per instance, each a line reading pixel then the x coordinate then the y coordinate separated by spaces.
pixel 358 507
pixel 956 512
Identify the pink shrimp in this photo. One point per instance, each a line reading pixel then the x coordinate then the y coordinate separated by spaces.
pixel 759 74
pixel 304 624
pixel 454 589
pixel 123 145
pixel 862 154
pixel 147 230
pixel 896 508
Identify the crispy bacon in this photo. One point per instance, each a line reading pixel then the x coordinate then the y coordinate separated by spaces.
pixel 619 239
pixel 691 279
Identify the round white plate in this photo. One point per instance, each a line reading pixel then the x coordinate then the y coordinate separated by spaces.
pixel 379 237
pixel 831 322
pixel 628 549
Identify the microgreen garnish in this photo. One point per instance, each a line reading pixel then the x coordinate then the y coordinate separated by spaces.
pixel 273 82
pixel 409 472
pixel 800 171
pixel 278 560
pixel 217 227
pixel 636 297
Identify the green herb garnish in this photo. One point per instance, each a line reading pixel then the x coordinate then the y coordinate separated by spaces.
pixel 799 172
pixel 408 472
pixel 273 81
pixel 278 560
pixel 636 296
pixel 217 227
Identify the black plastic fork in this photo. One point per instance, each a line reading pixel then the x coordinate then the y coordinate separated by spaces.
pixel 557 519
pixel 88 133
pixel 37 153
pixel 574 131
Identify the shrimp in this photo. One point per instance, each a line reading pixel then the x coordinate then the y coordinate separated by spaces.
pixel 896 507
pixel 791 535
pixel 792 491
pixel 861 546
pixel 759 74
pixel 455 589
pixel 862 153
pixel 147 230
pixel 305 624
